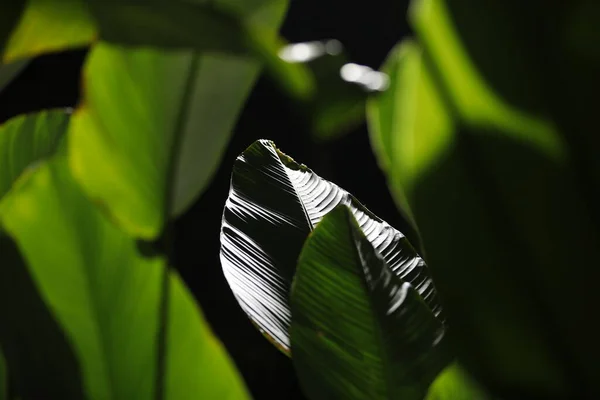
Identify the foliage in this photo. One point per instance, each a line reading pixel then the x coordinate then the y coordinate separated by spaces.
pixel 483 134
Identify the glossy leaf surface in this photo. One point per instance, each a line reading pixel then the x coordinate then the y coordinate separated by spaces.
pixel 491 186
pixel 43 26
pixel 26 139
pixel 359 331
pixel 273 205
pixel 164 149
pixel 105 296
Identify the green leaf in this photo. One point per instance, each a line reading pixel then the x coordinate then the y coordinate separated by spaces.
pixel 166 147
pixel 454 383
pixel 176 24
pixel 35 346
pixel 10 71
pixel 491 186
pixel 359 331
pixel 105 297
pixel 26 139
pixel 273 205
pixel 46 26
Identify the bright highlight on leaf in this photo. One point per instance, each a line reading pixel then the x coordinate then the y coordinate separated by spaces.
pixel 359 331
pixel 273 205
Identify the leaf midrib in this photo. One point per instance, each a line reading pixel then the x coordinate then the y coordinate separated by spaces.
pixel 355 236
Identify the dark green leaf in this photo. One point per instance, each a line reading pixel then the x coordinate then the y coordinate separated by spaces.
pixel 273 205
pixel 175 24
pixel 26 139
pixel 41 358
pixel 359 331
pixel 493 191
pixel 105 297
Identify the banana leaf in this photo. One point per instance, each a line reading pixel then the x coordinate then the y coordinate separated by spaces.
pixel 274 203
pixel 358 330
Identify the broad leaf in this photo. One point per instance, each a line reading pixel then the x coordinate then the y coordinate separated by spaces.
pixel 10 71
pixel 359 331
pixel 153 127
pixel 273 205
pixel 105 297
pixel 339 102
pixel 492 189
pixel 41 26
pixel 26 139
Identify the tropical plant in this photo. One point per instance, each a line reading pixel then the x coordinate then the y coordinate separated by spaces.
pixel 488 148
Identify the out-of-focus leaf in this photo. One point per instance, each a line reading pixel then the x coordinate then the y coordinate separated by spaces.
pixel 341 88
pixel 10 71
pixel 453 383
pixel 25 140
pixel 41 358
pixel 174 24
pixel 47 26
pixel 492 190
pixel 155 123
pixel 359 331
pixel 105 297
pixel 273 205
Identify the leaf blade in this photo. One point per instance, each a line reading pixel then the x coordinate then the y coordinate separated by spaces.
pixel 105 295
pixel 273 205
pixel 358 331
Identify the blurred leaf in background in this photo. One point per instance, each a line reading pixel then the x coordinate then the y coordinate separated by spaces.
pixel 491 185
pixel 41 26
pixel 454 383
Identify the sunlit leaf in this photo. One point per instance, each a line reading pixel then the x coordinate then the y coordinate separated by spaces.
pixel 153 127
pixel 359 331
pixel 491 186
pixel 105 296
pixel 26 139
pixel 273 205
pixel 453 383
pixel 47 26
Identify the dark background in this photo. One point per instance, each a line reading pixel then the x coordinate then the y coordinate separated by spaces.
pixel 368 31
